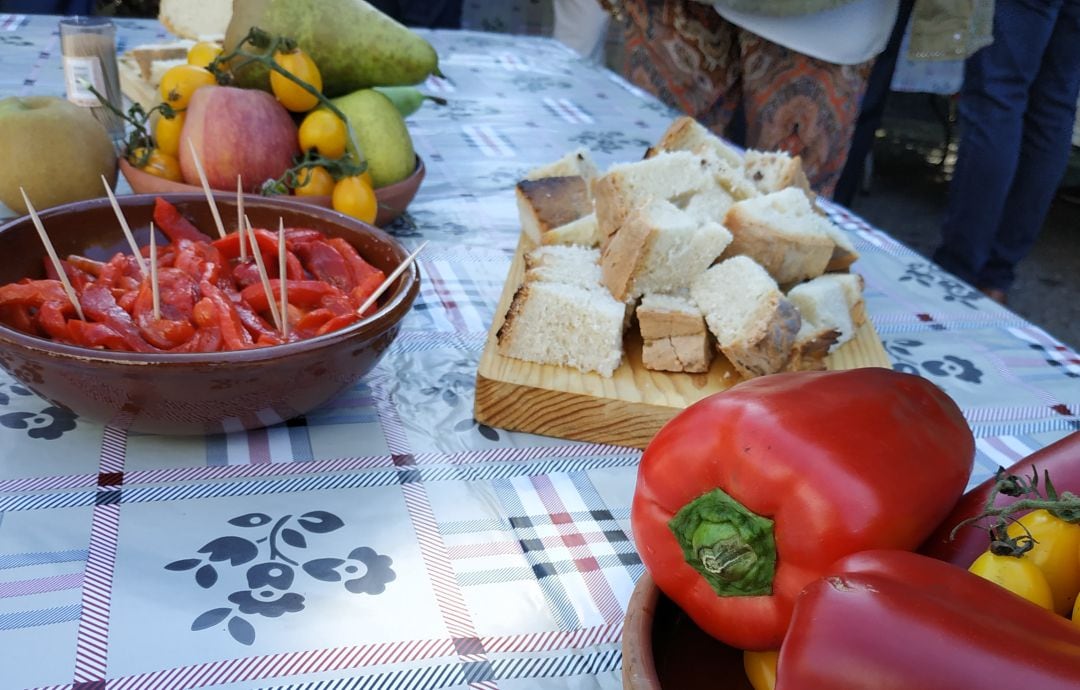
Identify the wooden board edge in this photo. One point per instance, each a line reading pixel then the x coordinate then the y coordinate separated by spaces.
pixel 553 413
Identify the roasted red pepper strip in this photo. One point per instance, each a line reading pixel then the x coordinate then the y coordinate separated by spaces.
pixel 18 317
pixel 229 246
pixel 894 620
pixel 233 334
pixel 96 335
pixel 360 270
pixel 326 264
pixel 52 321
pixel 33 293
pixel 177 297
pixel 1061 459
pixel 99 305
pixel 749 495
pixel 169 220
pixel 363 290
pixel 337 323
pixel 303 293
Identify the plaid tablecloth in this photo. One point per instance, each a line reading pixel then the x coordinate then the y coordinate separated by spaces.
pixel 387 540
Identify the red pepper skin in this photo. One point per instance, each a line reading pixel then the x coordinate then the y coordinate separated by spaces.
pixel 169 220
pixel 895 620
pixel 1061 459
pixel 840 461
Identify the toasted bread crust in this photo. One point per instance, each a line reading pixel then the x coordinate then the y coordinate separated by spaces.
pixel 768 347
pixel 624 254
pixel 681 353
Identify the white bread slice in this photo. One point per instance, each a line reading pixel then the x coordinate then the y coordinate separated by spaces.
pixel 659 248
pixel 730 176
pixel 674 335
pixel 584 232
pixel 710 204
pixel 687 134
pixel 754 324
pixel 195 18
pixel 771 171
pixel 567 264
pixel 780 231
pixel 550 202
pixel 852 286
pixel 567 325
pixel 625 186
pixel 692 354
pixel 823 306
pixel 844 253
pixel 578 163
pixel 661 315
pixel 145 55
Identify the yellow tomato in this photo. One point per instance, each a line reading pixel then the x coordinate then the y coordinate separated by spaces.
pixel 354 197
pixel 159 164
pixel 167 134
pixel 203 53
pixel 291 94
pixel 1056 544
pixel 181 81
pixel 760 668
pixel 1018 575
pixel 315 181
pixel 325 132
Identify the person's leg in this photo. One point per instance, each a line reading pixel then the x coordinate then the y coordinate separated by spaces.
pixel 685 54
pixel 801 105
pixel 997 80
pixel 1044 150
pixel 872 109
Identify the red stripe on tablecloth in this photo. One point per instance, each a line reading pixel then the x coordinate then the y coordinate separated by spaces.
pixel 92 639
pixel 55 583
pixel 282 665
pixel 258 446
pixel 446 297
pixel 595 580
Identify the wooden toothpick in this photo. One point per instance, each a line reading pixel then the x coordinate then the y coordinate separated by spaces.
pixel 240 218
pixel 154 292
pixel 389 279
pixel 124 226
pixel 206 189
pixel 282 265
pixel 262 274
pixel 60 272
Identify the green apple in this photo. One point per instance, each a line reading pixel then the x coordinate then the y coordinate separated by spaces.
pixel 54 149
pixel 382 135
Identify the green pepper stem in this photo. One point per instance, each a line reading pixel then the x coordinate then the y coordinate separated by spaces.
pixel 733 548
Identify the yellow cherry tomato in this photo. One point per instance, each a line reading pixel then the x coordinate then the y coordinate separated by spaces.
pixel 167 133
pixel 354 197
pixel 159 164
pixel 315 181
pixel 1056 544
pixel 1018 575
pixel 760 668
pixel 291 94
pixel 181 81
pixel 203 53
pixel 325 132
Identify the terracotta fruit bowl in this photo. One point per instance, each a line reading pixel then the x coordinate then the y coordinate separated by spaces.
pixel 197 393
pixel 393 199
pixel 664 649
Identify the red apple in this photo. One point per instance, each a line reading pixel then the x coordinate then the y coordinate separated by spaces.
pixel 237 132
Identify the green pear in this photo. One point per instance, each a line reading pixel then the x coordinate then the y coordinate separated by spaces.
pixel 354 44
pixel 408 99
pixel 382 135
pixel 55 150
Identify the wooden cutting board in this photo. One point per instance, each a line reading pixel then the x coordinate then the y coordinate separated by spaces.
pixel 626 409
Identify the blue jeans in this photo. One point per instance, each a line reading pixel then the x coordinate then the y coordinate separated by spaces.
pixel 1017 110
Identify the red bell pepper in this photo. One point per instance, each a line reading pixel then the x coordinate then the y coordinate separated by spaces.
pixel 749 495
pixel 1061 459
pixel 894 620
pixel 326 264
pixel 169 220
pixel 33 293
pixel 99 305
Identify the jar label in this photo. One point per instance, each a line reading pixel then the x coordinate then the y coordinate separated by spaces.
pixel 81 73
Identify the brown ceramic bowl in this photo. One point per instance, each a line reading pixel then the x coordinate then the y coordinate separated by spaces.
pixel 664 650
pixel 393 199
pixel 196 393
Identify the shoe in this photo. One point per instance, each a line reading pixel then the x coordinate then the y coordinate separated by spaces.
pixel 996 294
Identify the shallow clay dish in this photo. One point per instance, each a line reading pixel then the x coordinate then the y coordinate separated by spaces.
pixel 198 393
pixel 393 199
pixel 664 649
